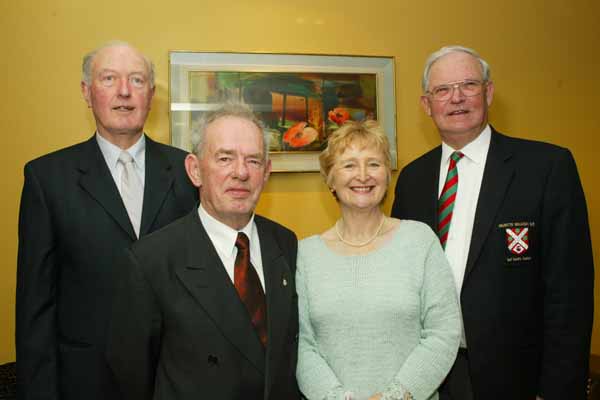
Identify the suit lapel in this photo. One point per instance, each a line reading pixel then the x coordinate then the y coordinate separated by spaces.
pixel 159 180
pixel 207 281
pixel 98 182
pixel 278 279
pixel 497 176
pixel 431 188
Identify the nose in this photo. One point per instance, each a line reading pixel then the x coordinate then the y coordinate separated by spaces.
pixel 241 169
pixel 124 89
pixel 363 173
pixel 457 94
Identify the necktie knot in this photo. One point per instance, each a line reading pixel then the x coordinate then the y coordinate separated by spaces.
pixel 456 156
pixel 242 242
pixel 125 158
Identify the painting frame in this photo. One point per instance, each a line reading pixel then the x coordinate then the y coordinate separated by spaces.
pixel 187 99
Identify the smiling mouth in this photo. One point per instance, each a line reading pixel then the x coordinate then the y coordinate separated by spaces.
pixel 362 189
pixel 458 112
pixel 123 108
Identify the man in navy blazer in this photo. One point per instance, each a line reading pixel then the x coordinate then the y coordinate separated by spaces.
pixel 518 242
pixel 181 328
pixel 73 223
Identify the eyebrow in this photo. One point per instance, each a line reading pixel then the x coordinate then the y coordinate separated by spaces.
pixel 356 159
pixel 460 81
pixel 233 152
pixel 104 70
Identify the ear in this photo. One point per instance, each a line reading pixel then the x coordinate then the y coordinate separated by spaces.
pixel 152 91
pixel 268 169
pixel 85 91
pixel 425 104
pixel 192 167
pixel 489 93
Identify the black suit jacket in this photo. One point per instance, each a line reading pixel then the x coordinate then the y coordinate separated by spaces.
pixel 72 226
pixel 180 331
pixel 527 317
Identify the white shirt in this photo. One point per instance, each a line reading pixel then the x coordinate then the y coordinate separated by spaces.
pixel 223 238
pixel 111 156
pixel 470 174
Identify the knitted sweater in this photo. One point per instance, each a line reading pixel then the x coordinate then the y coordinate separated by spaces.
pixel 384 322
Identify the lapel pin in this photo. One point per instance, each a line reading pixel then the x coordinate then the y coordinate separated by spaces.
pixel 284 282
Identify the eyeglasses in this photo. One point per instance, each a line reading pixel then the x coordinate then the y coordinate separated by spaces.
pixel 468 88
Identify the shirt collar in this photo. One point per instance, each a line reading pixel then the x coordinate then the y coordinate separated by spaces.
pixel 474 151
pixel 223 236
pixel 111 151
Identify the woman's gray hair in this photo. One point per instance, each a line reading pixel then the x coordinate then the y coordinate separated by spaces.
pixel 228 109
pixel 485 67
pixel 88 59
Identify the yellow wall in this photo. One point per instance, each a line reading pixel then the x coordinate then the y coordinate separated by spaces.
pixel 543 54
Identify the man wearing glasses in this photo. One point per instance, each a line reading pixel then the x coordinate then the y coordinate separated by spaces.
pixel 512 219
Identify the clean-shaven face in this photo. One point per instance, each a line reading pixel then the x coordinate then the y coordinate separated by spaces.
pixel 460 117
pixel 232 170
pixel 119 93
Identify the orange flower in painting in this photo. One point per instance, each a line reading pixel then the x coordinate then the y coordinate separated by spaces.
pixel 339 115
pixel 300 135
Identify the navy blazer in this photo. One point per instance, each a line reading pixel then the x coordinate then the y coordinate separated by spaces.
pixel 527 311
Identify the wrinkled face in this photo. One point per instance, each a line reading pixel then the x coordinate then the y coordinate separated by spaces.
pixel 232 171
pixel 460 117
pixel 119 93
pixel 359 177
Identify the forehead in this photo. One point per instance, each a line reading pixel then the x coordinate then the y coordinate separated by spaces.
pixel 234 133
pixel 454 67
pixel 120 58
pixel 360 149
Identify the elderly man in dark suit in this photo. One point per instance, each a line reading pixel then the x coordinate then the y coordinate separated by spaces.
pixel 512 217
pixel 81 207
pixel 208 306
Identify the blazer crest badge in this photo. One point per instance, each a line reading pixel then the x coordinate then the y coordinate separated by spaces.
pixel 517 240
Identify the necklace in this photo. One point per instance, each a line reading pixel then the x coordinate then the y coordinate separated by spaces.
pixel 339 235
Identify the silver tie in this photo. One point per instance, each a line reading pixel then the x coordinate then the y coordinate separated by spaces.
pixel 132 191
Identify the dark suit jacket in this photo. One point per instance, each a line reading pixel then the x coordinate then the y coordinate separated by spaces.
pixel 527 317
pixel 180 331
pixel 72 225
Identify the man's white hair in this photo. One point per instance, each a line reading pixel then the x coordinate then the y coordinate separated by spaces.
pixel 485 67
pixel 88 59
pixel 228 109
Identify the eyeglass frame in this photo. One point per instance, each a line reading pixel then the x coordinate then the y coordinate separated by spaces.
pixel 458 85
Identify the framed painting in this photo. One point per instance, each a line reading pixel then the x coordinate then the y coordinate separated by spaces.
pixel 300 99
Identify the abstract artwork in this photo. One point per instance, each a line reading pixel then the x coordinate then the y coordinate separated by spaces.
pixel 300 100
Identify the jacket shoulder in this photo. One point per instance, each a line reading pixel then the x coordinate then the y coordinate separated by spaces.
pixel 530 148
pixel 275 227
pixel 63 155
pixel 416 166
pixel 173 232
pixel 168 150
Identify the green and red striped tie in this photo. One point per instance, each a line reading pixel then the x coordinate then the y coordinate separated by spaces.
pixel 446 200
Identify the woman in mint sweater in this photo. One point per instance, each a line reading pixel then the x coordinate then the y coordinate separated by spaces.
pixel 379 318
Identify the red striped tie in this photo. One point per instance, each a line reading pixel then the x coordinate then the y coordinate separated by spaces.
pixel 446 201
pixel 249 289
